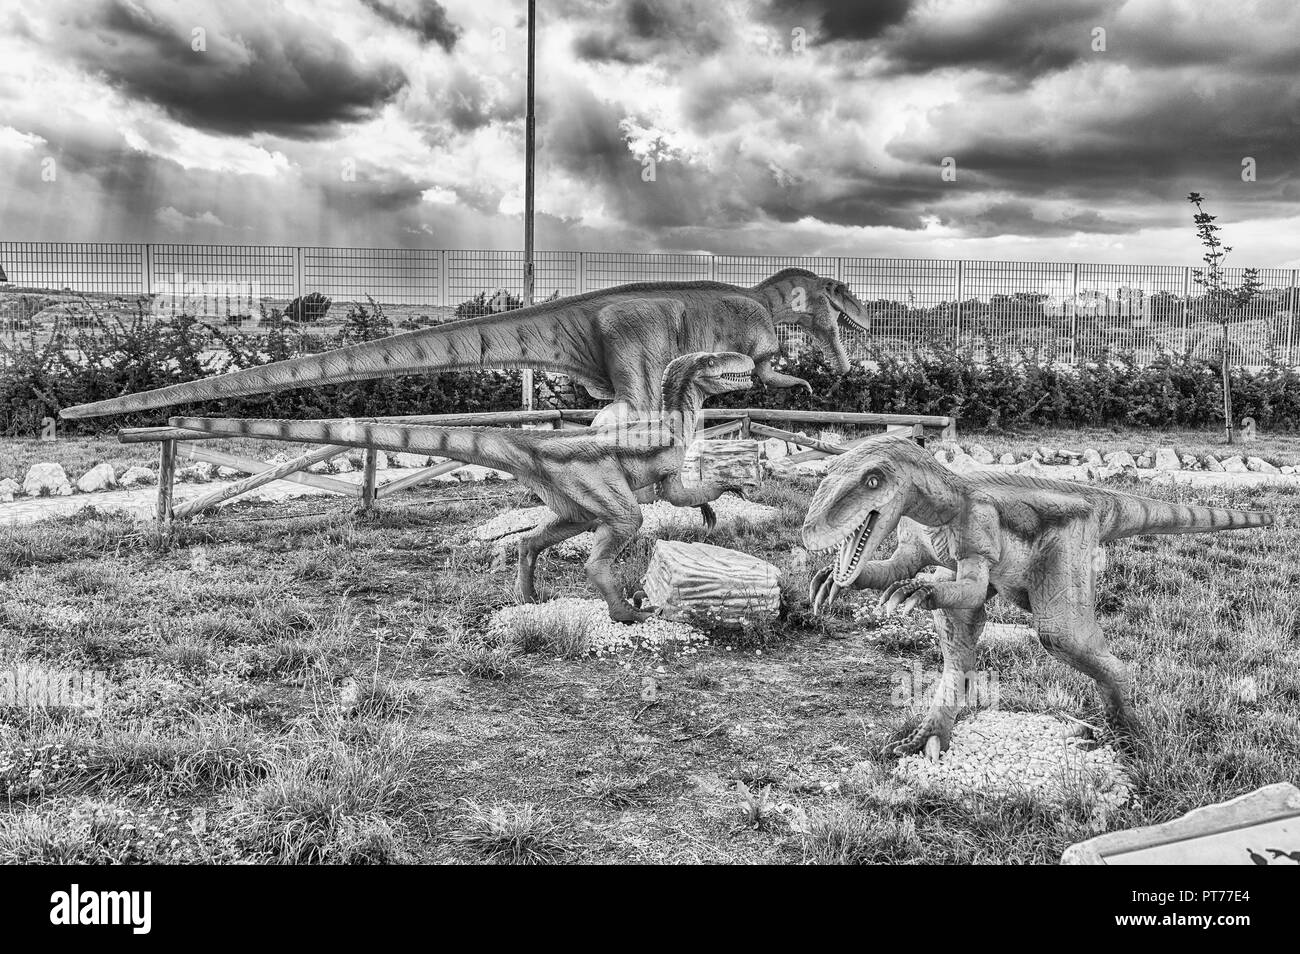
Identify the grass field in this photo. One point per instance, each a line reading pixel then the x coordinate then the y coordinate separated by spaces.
pixel 297 682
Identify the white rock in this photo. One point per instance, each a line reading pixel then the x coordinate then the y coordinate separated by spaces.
pixel 320 467
pixel 1047 454
pixel 200 472
pixel 137 475
pixel 1107 471
pixel 1120 459
pixel 1261 466
pixel 1007 459
pixel 1146 461
pixel 774 448
pixel 278 459
pixel 981 454
pixel 1190 462
pixel 1288 469
pixel 99 477
pixel 8 487
pixel 342 465
pixel 1211 463
pixel 229 472
pixel 46 480
pixel 1090 456
pixel 1235 465
pixel 830 437
pixel 1167 459
pixel 410 460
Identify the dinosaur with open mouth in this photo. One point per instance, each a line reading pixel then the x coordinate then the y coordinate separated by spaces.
pixel 1036 542
pixel 589 478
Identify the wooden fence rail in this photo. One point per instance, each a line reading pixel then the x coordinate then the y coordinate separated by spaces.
pixel 177 444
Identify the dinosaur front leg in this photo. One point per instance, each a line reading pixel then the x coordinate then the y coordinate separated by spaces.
pixel 969 590
pixel 906 560
pixel 959 631
pixel 531 546
pixel 772 378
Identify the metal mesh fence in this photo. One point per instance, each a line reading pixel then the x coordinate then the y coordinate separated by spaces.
pixel 1070 311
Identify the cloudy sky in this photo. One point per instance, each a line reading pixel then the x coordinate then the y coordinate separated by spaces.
pixel 783 126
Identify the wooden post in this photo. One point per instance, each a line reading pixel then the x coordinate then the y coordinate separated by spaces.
pixel 368 478
pixel 918 434
pixel 166 478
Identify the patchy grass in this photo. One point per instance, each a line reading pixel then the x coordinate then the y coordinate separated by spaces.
pixel 295 686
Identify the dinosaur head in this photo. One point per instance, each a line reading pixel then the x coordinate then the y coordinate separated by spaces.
pixel 709 373
pixel 817 305
pixel 866 492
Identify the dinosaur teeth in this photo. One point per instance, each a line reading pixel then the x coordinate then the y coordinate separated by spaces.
pixel 852 550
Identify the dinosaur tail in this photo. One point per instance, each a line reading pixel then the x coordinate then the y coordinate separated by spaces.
pixel 487 446
pixel 1135 516
pixel 551 336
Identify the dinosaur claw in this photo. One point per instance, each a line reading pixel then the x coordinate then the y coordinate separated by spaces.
pixel 710 518
pixel 932 748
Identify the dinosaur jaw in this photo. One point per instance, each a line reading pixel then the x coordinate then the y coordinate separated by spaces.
pixel 853 550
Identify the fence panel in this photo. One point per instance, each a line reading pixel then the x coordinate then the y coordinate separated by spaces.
pixel 909 301
pixel 391 276
pixel 606 269
pixel 103 268
pixel 213 281
pixel 1137 308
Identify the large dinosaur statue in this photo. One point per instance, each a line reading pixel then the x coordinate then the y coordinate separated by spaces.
pixel 1036 542
pixel 588 478
pixel 616 342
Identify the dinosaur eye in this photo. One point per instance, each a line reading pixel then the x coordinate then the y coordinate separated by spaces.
pixel 872 482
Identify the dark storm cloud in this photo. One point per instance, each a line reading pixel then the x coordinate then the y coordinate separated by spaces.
pixel 264 69
pixel 429 20
pixel 646 30
pixel 1014 39
pixel 840 19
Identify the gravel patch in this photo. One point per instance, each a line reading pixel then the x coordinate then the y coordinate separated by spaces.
pixel 590 619
pixel 1007 753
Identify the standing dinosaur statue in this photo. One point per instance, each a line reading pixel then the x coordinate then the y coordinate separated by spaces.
pixel 1036 542
pixel 616 343
pixel 589 478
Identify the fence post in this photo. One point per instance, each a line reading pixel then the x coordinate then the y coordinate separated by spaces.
pixel 1187 304
pixel 960 296
pixel 370 467
pixel 839 269
pixel 166 480
pixel 148 268
pixel 713 268
pixel 1290 322
pixel 1074 312
pixel 443 279
pixel 582 272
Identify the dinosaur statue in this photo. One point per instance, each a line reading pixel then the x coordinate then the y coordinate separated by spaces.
pixel 1036 542
pixel 588 478
pixel 616 343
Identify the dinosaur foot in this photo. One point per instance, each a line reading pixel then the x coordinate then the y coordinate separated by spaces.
pixel 629 616
pixel 928 737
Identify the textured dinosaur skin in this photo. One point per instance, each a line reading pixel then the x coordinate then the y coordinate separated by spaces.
pixel 616 342
pixel 1036 542
pixel 590 479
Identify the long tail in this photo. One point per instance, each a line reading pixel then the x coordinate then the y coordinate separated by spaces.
pixel 496 447
pixel 1131 516
pixel 551 336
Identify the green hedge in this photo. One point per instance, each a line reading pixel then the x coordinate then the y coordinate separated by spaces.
pixel 996 389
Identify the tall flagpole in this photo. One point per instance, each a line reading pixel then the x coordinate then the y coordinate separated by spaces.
pixel 530 124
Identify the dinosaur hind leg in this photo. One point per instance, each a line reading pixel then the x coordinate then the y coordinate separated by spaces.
pixel 959 631
pixel 611 538
pixel 531 546
pixel 1062 600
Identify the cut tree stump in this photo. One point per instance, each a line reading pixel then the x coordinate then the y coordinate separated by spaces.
pixel 699 579
pixel 736 464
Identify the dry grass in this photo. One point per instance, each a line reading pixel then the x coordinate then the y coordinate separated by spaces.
pixel 298 687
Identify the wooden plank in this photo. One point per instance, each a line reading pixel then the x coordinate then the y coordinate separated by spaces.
pixel 419 477
pixel 845 417
pixel 368 477
pixel 166 479
pixel 138 435
pixel 209 456
pixel 822 447
pixel 717 430
pixel 189 508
